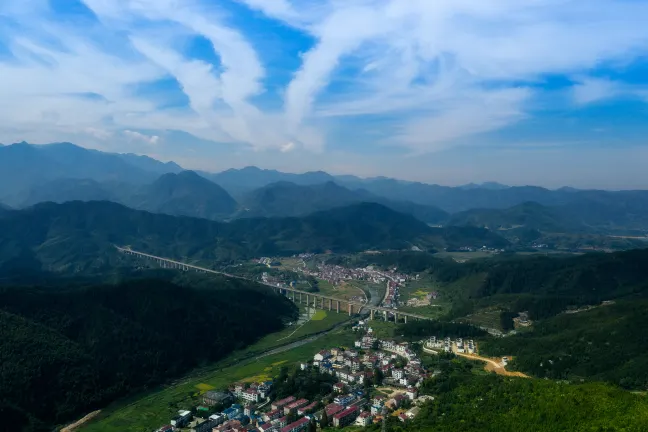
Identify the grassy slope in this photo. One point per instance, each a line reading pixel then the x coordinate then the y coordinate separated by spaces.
pixel 155 409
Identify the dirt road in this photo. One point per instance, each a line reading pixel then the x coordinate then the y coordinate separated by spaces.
pixel 492 365
pixel 77 424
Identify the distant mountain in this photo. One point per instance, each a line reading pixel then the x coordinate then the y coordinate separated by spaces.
pixel 285 199
pixel 62 190
pixel 185 194
pixel 485 185
pixel 79 236
pixel 528 215
pixel 242 181
pixel 149 164
pixel 23 166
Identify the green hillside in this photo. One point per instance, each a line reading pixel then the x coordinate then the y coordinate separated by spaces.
pixel 185 194
pixel 529 215
pixel 607 343
pixel 79 236
pixel 68 351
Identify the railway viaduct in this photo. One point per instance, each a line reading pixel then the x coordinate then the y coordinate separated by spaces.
pixel 315 300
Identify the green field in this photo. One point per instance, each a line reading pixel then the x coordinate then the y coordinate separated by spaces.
pixel 489 318
pixel 149 411
pixel 463 256
pixel 319 315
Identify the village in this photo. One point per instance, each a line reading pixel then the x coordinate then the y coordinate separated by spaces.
pixel 374 379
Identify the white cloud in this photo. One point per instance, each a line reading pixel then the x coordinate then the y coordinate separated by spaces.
pixel 289 146
pixel 437 71
pixel 148 139
pixel 592 90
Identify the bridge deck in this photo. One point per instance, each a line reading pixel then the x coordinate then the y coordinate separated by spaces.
pixel 314 295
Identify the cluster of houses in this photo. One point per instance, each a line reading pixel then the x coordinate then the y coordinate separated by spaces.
pixel 392 295
pixel 248 408
pixel 336 274
pixel 447 345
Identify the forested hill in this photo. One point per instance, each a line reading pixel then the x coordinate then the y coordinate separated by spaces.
pixel 543 285
pixel 67 352
pixel 79 236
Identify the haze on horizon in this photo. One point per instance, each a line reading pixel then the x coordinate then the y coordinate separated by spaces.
pixel 543 92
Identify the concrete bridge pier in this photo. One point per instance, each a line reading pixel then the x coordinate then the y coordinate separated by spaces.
pixel 330 305
pixel 337 306
pixel 385 312
pixel 372 314
pixel 300 298
pixel 350 309
pixel 405 318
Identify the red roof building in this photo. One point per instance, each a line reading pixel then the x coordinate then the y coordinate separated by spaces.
pixel 332 409
pixel 297 426
pixel 346 417
pixel 283 402
pixel 295 405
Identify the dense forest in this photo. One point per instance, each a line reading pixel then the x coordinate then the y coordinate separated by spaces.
pixel 66 351
pixel 79 236
pixel 543 285
pixel 469 402
pixel 607 343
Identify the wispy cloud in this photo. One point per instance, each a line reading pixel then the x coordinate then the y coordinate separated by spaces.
pixel 439 72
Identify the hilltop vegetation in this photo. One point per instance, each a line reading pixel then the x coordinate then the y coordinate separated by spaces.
pixel 79 236
pixel 184 194
pixel 67 351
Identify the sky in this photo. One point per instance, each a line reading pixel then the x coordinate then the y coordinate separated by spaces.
pixel 546 92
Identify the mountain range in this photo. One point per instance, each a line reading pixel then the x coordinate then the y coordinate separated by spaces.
pixel 64 172
pixel 289 199
pixel 80 236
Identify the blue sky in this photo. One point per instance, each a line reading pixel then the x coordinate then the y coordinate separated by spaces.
pixel 547 92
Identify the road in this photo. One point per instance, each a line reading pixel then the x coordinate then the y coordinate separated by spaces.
pixel 492 365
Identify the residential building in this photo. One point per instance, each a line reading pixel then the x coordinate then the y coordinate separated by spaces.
pixel 293 407
pixel 182 419
pixel 346 417
pixel 217 419
pixel 212 398
pixel 297 426
pixel 267 427
pixel 249 409
pixel 338 387
pixel 411 393
pixel 203 426
pixel 332 409
pixel 283 402
pixel 307 409
pixel 344 400
pixel 165 428
pixel 232 412
pixel 251 395
pixel 322 355
pixel 364 419
pixel 282 422
pixel 273 415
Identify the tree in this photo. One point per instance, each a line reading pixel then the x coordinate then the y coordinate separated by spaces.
pixel 378 377
pixel 312 427
pixel 324 422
